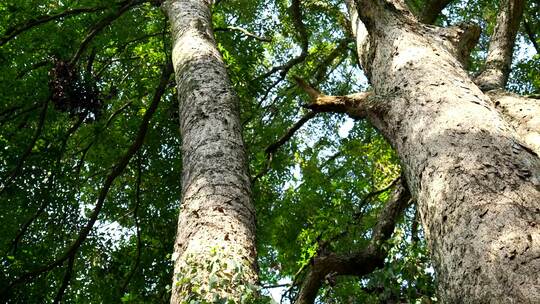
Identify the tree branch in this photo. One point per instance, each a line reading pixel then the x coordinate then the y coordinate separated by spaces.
pixel 501 46
pixel 15 30
pixel 355 105
pixel 9 179
pixel 243 31
pixel 522 114
pixel 65 282
pixel 100 25
pixel 361 262
pixel 137 227
pixel 22 230
pixel 297 18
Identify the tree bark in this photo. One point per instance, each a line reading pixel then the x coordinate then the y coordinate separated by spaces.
pixel 214 253
pixel 476 182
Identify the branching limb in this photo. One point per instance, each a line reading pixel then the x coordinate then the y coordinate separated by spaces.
pixel 501 46
pixel 329 265
pixel 10 114
pixel 272 148
pixel 115 172
pixel 460 40
pixel 297 18
pixel 243 31
pixel 522 113
pixel 355 105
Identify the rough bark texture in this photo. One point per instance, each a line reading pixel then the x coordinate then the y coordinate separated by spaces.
pixel 522 113
pixel 501 46
pixel 476 183
pixel 214 254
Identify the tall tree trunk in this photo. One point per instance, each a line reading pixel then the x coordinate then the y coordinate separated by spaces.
pixel 476 183
pixel 214 254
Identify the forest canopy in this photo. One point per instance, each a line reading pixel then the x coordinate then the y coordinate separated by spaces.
pixel 91 148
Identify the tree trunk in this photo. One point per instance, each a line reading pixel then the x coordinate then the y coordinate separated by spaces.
pixel 476 183
pixel 214 254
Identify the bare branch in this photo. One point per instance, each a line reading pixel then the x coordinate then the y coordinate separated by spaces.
pixel 460 39
pixel 355 105
pixel 137 227
pixel 65 282
pixel 501 46
pixel 243 31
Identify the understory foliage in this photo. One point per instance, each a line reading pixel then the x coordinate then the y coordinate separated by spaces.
pixel 77 79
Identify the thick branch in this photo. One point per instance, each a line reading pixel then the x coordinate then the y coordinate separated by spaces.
pixel 359 263
pixel 523 114
pixel 115 172
pixel 501 46
pixel 355 105
pixel 460 40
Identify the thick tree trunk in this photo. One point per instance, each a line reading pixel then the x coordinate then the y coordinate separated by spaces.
pixel 476 183
pixel 214 254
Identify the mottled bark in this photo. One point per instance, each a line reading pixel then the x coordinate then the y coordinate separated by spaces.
pixel 476 183
pixel 522 113
pixel 359 263
pixel 501 46
pixel 214 253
